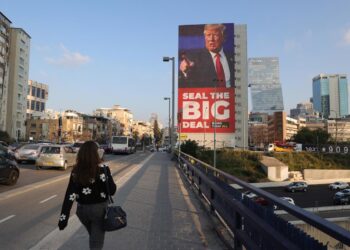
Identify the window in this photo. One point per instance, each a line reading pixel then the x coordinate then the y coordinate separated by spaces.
pixel 43 93
pixel 32 106
pixel 28 104
pixel 23 42
pixel 38 92
pixel 37 106
pixel 33 90
pixel 42 106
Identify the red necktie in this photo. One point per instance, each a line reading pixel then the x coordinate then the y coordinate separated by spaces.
pixel 219 72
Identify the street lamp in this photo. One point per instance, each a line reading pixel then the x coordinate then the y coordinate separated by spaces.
pixel 169 130
pixel 167 59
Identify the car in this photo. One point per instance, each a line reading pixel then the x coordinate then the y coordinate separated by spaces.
pixel 338 185
pixel 342 197
pixel 343 192
pixel 62 156
pixel 296 186
pixel 287 199
pixel 250 194
pixel 9 171
pixel 76 146
pixel 28 152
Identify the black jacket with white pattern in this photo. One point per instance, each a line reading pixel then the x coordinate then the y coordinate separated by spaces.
pixel 94 192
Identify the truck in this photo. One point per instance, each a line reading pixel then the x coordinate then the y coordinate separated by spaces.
pixel 284 147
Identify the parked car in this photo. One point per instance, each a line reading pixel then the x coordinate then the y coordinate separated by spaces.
pixel 9 171
pixel 342 197
pixel 76 146
pixel 338 185
pixel 62 156
pixel 296 186
pixel 28 152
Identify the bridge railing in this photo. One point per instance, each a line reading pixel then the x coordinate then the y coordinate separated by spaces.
pixel 255 226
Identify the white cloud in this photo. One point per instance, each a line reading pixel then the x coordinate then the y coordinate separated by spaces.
pixel 69 58
pixel 346 37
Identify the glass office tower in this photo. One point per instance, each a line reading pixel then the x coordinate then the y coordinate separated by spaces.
pixel 330 95
pixel 264 83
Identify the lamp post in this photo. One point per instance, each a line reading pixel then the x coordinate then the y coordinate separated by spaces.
pixel 169 130
pixel 167 59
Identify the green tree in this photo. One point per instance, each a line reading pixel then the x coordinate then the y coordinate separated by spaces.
pixel 315 137
pixel 190 147
pixel 157 133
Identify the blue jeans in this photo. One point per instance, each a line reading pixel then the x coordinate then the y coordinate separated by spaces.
pixel 91 216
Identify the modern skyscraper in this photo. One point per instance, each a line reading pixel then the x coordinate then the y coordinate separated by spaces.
pixel 18 83
pixel 330 95
pixel 264 83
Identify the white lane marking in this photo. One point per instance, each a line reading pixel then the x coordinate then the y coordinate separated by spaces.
pixel 51 197
pixel 56 238
pixel 7 218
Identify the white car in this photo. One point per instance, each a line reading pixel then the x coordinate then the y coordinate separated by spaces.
pixel 28 152
pixel 288 199
pixel 338 185
pixel 343 192
pixel 250 194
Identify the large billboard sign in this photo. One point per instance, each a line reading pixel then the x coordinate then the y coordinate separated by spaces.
pixel 206 101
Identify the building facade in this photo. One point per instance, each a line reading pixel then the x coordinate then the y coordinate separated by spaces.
pixel 5 25
pixel 330 95
pixel 120 114
pixel 18 83
pixel 36 99
pixel 265 86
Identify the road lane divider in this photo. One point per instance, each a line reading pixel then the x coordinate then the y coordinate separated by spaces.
pixel 55 239
pixel 51 197
pixel 7 218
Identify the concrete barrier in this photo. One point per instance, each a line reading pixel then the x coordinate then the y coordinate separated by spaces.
pixel 321 174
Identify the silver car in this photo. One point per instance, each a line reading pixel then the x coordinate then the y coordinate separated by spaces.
pixel 28 152
pixel 62 156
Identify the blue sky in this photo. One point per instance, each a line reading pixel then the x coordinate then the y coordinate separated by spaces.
pixel 96 54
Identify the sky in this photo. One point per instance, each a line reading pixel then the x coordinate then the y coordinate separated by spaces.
pixel 96 54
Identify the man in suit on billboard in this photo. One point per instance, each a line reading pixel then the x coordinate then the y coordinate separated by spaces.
pixel 210 66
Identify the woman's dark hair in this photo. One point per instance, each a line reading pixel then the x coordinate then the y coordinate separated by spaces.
pixel 88 160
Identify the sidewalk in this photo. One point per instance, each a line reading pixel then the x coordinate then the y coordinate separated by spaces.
pixel 162 213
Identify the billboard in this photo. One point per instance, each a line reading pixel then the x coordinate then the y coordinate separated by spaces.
pixel 206 94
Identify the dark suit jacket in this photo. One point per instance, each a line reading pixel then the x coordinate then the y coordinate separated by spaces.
pixel 203 73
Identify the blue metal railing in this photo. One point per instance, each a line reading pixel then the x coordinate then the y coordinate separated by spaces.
pixel 255 226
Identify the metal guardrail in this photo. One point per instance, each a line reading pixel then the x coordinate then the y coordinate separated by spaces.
pixel 255 226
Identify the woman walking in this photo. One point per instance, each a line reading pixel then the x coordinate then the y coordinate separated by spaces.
pixel 87 185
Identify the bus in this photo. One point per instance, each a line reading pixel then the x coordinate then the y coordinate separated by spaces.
pixel 123 144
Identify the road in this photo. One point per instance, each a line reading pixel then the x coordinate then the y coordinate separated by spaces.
pixel 30 214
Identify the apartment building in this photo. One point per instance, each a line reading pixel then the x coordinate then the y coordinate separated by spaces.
pixel 120 114
pixel 18 83
pixel 37 97
pixel 5 25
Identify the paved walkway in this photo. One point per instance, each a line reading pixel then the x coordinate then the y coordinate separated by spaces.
pixel 162 213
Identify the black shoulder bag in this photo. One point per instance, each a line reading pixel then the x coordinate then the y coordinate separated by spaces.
pixel 115 217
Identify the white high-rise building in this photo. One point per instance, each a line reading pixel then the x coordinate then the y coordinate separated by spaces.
pixel 18 83
pixel 5 24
